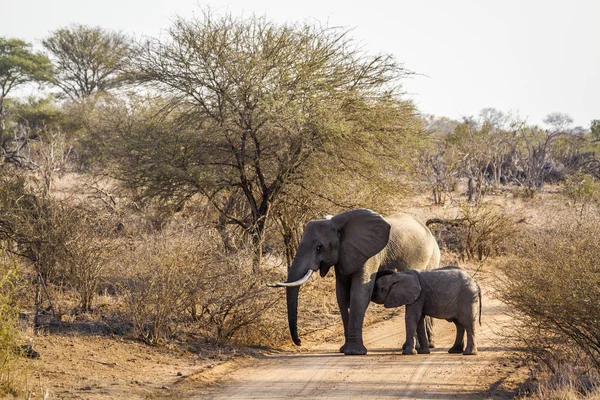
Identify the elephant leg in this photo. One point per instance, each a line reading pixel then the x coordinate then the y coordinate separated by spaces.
pixel 429 328
pixel 422 335
pixel 411 319
pixel 459 344
pixel 360 297
pixel 342 293
pixel 471 348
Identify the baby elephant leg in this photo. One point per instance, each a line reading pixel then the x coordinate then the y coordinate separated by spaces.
pixel 422 335
pixel 471 348
pixel 469 322
pixel 429 329
pixel 459 344
pixel 411 321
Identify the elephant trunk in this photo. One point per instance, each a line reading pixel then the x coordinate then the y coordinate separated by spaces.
pixel 292 289
pixel 291 294
pixel 298 274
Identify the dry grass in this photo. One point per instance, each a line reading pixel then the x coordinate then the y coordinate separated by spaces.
pixel 563 382
pixel 564 393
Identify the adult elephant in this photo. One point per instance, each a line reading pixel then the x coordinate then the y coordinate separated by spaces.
pixel 359 243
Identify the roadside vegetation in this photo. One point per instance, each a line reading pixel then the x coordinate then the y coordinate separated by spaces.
pixel 162 182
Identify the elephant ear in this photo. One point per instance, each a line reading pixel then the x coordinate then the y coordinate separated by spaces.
pixel 404 289
pixel 363 233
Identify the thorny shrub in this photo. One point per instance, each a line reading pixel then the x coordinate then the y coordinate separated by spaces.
pixel 166 275
pixel 236 299
pixel 486 230
pixel 89 249
pixel 34 226
pixel 185 280
pixel 552 282
pixel 480 231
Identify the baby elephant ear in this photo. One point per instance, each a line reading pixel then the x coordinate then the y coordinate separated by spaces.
pixel 405 289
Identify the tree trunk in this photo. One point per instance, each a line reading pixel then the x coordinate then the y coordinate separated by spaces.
pixel 470 190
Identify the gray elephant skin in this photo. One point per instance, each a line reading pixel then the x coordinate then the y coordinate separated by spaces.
pixel 448 293
pixel 358 243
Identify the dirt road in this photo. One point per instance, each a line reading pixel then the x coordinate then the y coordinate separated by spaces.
pixel 323 373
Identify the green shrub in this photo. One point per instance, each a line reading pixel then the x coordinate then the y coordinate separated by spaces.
pixel 583 189
pixel 8 321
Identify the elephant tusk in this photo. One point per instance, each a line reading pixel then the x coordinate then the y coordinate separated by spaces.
pixel 292 284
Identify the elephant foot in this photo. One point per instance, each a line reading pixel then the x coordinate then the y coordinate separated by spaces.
pixel 455 350
pixel 353 349
pixel 408 352
pixel 472 352
pixel 423 351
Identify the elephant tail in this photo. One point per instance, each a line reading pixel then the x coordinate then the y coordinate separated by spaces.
pixel 480 302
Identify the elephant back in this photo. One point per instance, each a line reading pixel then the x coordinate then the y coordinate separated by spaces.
pixel 411 245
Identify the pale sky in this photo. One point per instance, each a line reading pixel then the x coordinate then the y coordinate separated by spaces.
pixel 530 57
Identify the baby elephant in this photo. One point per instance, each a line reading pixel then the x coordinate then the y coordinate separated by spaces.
pixel 448 293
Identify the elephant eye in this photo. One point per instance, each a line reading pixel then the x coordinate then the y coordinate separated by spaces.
pixel 320 247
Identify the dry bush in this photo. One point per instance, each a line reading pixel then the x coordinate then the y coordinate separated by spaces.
pixel 185 282
pixel 89 249
pixel 553 285
pixel 486 229
pixel 66 244
pixel 165 276
pixel 8 321
pixel 36 227
pixel 235 301
pixel 480 231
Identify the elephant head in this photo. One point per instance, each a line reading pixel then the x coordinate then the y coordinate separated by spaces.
pixel 346 240
pixel 396 289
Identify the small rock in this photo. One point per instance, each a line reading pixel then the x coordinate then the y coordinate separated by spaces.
pixel 179 373
pixel 27 351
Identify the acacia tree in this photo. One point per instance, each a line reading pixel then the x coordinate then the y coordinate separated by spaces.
pixel 559 122
pixel 87 59
pixel 18 65
pixel 531 152
pixel 472 141
pixel 260 114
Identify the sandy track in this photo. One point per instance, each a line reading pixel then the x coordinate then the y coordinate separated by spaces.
pixel 323 373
